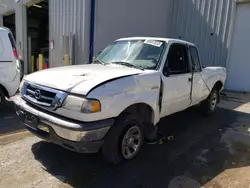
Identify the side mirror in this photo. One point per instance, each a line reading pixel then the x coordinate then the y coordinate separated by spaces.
pixel 166 71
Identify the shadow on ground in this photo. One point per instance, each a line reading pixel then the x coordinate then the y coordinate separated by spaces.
pixel 195 152
pixel 9 121
pixel 8 109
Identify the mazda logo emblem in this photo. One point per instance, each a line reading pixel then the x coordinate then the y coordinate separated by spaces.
pixel 37 94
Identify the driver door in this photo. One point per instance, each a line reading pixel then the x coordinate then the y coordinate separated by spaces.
pixel 176 80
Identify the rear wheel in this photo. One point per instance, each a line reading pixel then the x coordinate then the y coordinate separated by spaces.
pixel 2 98
pixel 124 140
pixel 208 106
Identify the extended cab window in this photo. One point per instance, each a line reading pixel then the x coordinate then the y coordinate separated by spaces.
pixel 195 58
pixel 177 60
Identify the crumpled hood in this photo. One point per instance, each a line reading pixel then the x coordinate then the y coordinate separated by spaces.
pixel 79 79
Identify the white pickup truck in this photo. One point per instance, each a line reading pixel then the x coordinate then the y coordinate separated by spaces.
pixel 115 103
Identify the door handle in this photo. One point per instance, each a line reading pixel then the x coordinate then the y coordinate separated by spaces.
pixel 190 79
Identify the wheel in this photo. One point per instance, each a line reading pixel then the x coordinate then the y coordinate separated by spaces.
pixel 124 140
pixel 208 106
pixel 2 98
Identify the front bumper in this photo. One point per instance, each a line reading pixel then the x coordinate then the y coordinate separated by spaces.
pixel 83 137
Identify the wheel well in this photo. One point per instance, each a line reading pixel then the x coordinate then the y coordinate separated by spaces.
pixel 143 110
pixel 4 91
pixel 145 113
pixel 218 85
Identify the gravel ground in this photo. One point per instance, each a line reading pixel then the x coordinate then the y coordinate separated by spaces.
pixel 20 169
pixel 202 153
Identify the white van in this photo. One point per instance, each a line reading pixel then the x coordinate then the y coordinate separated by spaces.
pixel 9 65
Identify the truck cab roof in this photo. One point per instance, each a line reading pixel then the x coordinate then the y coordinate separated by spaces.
pixel 167 40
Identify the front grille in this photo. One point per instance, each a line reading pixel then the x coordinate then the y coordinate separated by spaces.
pixel 42 96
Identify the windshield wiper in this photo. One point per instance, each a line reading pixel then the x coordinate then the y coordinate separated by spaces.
pixel 100 62
pixel 128 64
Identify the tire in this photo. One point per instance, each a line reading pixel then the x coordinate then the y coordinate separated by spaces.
pixel 208 106
pixel 126 133
pixel 2 98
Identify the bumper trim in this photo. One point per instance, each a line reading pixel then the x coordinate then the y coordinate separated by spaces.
pixel 65 129
pixel 77 135
pixel 61 121
pixel 80 147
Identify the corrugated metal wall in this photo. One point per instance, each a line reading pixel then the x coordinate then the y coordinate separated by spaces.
pixel 204 22
pixel 207 24
pixel 68 17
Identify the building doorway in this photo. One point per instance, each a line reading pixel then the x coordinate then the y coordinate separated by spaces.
pixel 239 58
pixel 9 21
pixel 38 33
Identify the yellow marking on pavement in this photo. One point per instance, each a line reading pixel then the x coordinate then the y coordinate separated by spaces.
pixel 14 137
pixel 13 132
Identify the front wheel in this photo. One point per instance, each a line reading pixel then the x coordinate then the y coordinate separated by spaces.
pixel 124 140
pixel 208 106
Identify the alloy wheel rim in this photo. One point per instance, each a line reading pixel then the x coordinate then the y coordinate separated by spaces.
pixel 213 101
pixel 131 142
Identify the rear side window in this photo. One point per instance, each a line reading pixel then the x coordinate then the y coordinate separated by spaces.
pixel 195 58
pixel 13 44
pixel 12 41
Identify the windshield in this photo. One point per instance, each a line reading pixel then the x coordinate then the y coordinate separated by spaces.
pixel 139 53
